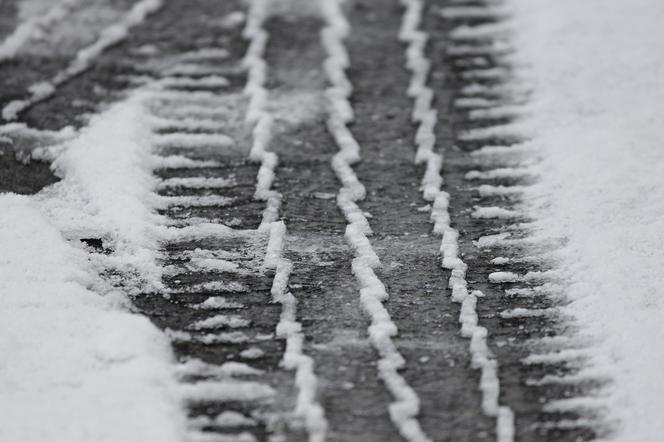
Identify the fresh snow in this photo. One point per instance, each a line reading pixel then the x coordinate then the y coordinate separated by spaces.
pixel 597 112
pixel 78 366
pixel 107 191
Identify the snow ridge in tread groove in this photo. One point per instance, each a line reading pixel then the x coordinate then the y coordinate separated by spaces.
pixel 10 46
pixel 405 408
pixel 84 58
pixel 425 116
pixel 288 327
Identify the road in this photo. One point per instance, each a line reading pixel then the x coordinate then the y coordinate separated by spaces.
pixel 352 262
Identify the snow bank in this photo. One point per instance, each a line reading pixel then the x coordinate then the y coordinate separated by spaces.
pixel 597 68
pixel 75 366
pixel 107 191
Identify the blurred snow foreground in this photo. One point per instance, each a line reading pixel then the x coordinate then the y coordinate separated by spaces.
pixel 597 114
pixel 71 354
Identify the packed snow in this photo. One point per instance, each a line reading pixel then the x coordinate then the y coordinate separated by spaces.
pixel 597 113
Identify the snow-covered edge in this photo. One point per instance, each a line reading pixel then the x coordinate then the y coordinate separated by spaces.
pixel 106 192
pixel 426 117
pixel 84 58
pixel 288 328
pixel 406 405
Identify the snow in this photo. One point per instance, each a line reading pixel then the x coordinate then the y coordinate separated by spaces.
pixel 476 12
pixel 511 130
pixel 218 303
pixel 81 366
pixel 525 313
pixel 77 365
pixel 31 27
pixel 597 73
pixel 205 436
pixel 405 407
pixel 210 81
pixel 189 140
pixel 252 353
pixel 107 191
pixel 307 407
pixel 210 338
pixel 487 190
pixel 197 182
pixel 206 54
pixel 85 57
pixel 557 357
pixel 226 419
pixel 494 212
pixel 226 391
pixel 192 201
pixel 219 321
pixel 502 173
pixel 212 286
pixel 432 182
pixel 196 367
pixel 179 162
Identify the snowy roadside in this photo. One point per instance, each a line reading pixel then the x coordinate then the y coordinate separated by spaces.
pixel 597 71
pixel 77 364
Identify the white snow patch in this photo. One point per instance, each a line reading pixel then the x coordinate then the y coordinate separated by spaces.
pixel 219 321
pixel 494 212
pixel 197 183
pixel 196 367
pixel 107 191
pixel 67 347
pixel 597 71
pixel 226 419
pixel 226 391
pixel 218 303
pixel 252 353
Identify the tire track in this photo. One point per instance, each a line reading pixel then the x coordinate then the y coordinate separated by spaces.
pixel 405 406
pixel 220 279
pixel 510 266
pixel 216 298
pixel 426 117
pixel 335 329
pixel 220 266
pixel 307 407
pixel 84 58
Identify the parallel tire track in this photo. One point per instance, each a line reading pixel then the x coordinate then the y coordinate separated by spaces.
pixel 426 117
pixel 483 95
pixel 405 408
pixel 249 139
pixel 288 328
pixel 84 58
